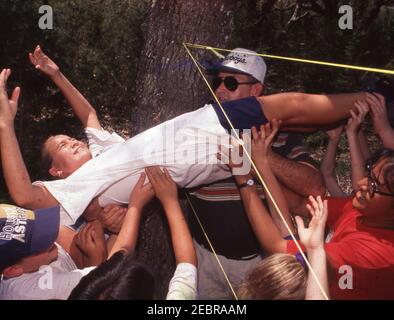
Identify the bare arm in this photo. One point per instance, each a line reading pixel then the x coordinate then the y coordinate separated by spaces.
pixel 81 107
pixel 166 191
pixel 261 148
pixel 313 240
pixel 380 120
pixel 327 166
pixel 299 177
pixel 128 235
pixel 22 191
pixel 362 142
pixel 299 109
pixel 267 233
pixel 352 128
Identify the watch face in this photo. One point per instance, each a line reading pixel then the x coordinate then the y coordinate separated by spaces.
pixel 250 182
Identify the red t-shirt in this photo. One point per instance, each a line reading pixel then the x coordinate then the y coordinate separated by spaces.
pixel 368 251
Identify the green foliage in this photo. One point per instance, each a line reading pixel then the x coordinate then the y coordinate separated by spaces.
pixel 97 45
pixel 309 29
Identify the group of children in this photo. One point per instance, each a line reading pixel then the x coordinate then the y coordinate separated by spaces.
pixel 41 258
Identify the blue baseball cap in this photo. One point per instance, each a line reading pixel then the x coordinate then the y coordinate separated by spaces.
pixel 24 233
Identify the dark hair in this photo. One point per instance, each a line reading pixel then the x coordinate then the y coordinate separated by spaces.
pixel 119 278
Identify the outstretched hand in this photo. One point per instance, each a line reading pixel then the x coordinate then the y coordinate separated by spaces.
pixel 335 133
pixel 354 122
pixel 165 188
pixel 262 140
pixel 43 63
pixel 313 236
pixel 90 240
pixel 379 116
pixel 8 107
pixel 141 193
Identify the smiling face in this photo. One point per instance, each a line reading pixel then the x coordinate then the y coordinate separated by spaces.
pixel 67 154
pixel 242 91
pixel 377 209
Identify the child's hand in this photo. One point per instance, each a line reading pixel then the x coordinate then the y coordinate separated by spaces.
pixel 42 62
pixel 8 106
pixel 262 141
pixel 141 193
pixel 313 236
pixel 335 134
pixel 112 216
pixel 379 113
pixel 354 122
pixel 165 188
pixel 90 240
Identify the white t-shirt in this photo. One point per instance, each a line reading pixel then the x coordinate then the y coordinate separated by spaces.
pixel 53 281
pixel 186 145
pixel 183 285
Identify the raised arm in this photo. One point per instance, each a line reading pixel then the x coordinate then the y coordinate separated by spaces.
pixel 352 130
pixel 267 233
pixel 313 240
pixel 81 107
pixel 14 169
pixel 261 147
pixel 327 166
pixel 128 235
pixel 308 110
pixel 380 120
pixel 166 191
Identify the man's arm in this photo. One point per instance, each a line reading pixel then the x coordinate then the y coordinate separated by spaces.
pixel 14 170
pixel 300 109
pixel 301 178
pixel 81 107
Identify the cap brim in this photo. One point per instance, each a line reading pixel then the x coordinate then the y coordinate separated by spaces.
pixel 46 229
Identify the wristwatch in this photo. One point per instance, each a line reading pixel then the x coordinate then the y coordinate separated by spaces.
pixel 248 183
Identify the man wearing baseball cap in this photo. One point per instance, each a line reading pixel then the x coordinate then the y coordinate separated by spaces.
pixel 219 207
pixel 32 265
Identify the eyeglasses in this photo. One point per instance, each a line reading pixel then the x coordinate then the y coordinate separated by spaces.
pixel 373 183
pixel 230 82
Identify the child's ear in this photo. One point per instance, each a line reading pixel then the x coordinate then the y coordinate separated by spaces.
pixel 55 172
pixel 13 271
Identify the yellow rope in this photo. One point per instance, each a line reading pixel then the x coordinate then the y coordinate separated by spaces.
pixel 211 246
pixel 324 63
pixel 258 173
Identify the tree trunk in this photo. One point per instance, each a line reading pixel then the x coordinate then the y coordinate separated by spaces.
pixel 168 84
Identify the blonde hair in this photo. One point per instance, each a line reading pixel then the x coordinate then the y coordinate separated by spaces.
pixel 277 277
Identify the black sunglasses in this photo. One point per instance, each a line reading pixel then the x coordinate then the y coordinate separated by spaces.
pixel 373 182
pixel 230 82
